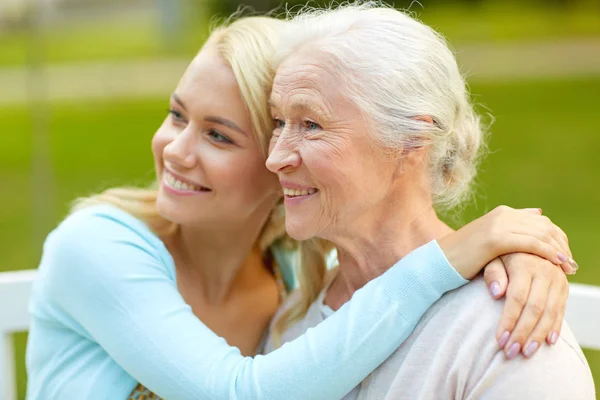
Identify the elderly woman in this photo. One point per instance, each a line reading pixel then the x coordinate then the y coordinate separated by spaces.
pixel 375 129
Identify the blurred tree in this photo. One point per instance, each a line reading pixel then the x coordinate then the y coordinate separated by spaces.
pixel 226 7
pixel 171 18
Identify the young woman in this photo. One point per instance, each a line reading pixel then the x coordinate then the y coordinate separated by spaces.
pixel 175 286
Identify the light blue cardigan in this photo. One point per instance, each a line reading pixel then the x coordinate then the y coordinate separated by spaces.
pixel 107 314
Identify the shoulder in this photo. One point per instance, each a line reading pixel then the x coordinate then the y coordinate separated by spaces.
pixel 458 335
pixel 101 222
pixel 99 243
pixel 472 308
pixel 470 317
pixel 470 305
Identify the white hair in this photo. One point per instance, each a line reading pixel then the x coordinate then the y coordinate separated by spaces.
pixel 395 68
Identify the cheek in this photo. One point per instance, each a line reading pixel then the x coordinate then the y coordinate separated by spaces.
pixel 327 163
pixel 337 170
pixel 159 141
pixel 240 174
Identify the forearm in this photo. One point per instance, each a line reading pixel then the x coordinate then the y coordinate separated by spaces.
pixel 109 280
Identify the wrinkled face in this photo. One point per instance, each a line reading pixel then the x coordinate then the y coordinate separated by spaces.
pixel 331 169
pixel 207 159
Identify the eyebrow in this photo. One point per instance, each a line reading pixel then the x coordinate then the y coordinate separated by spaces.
pixel 301 105
pixel 213 119
pixel 178 101
pixel 304 106
pixel 225 122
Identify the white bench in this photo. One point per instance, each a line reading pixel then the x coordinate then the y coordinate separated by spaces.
pixel 583 315
pixel 15 290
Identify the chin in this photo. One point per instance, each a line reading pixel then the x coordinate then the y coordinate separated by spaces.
pixel 168 210
pixel 298 230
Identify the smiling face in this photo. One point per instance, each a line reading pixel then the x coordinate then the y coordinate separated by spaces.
pixel 330 166
pixel 207 159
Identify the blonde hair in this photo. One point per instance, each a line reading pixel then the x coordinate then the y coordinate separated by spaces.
pixel 247 45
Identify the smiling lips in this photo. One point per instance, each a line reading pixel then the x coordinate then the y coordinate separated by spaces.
pixel 177 184
pixel 290 192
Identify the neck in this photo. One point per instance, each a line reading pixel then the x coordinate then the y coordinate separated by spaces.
pixel 215 257
pixel 388 233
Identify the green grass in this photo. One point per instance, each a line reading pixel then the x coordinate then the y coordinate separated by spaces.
pixel 80 43
pixel 544 154
pixel 506 21
pixel 99 41
pixel 119 39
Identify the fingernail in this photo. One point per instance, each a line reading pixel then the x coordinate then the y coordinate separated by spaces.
pixel 574 265
pixel 513 350
pixel 538 210
pixel 553 337
pixel 561 257
pixel 503 339
pixel 533 346
pixel 495 289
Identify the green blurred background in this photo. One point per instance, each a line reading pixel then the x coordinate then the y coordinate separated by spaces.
pixel 84 84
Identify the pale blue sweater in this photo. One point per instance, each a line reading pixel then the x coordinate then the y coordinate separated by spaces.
pixel 107 314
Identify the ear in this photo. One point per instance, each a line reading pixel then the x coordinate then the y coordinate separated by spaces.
pixel 418 144
pixel 414 154
pixel 424 118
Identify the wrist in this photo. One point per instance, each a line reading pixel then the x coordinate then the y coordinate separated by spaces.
pixel 452 250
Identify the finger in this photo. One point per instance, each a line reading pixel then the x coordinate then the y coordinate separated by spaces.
pixel 545 326
pixel 552 338
pixel 546 225
pixel 531 314
pixel 495 278
pixel 517 293
pixel 570 267
pixel 553 235
pixel 562 238
pixel 565 265
pixel 531 243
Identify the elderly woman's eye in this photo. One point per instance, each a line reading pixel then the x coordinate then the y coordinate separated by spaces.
pixel 311 126
pixel 279 124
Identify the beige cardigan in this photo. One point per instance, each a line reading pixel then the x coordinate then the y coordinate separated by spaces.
pixel 453 354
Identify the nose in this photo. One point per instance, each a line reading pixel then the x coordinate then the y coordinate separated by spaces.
pixel 180 151
pixel 283 154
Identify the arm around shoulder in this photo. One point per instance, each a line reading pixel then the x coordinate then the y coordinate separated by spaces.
pixel 108 273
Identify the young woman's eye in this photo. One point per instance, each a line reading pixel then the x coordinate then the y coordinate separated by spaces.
pixel 279 124
pixel 311 126
pixel 177 116
pixel 218 137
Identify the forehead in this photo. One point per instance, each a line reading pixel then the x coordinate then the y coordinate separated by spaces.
pixel 209 86
pixel 306 77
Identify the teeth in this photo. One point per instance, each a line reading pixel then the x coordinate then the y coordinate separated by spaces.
pixel 179 185
pixel 298 192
